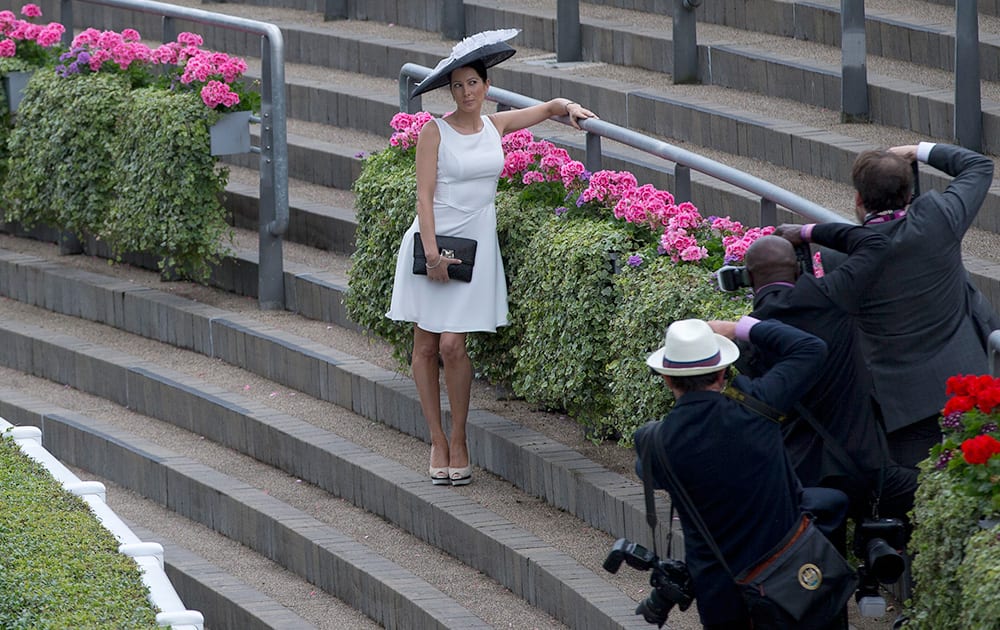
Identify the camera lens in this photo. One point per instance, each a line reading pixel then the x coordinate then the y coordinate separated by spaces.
pixel 884 562
pixel 655 608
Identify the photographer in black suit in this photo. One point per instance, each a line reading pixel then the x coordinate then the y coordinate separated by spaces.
pixel 841 400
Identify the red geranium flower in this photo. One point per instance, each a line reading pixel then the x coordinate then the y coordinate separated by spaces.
pixel 980 449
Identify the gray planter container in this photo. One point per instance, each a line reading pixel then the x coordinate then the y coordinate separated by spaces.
pixel 231 134
pixel 14 84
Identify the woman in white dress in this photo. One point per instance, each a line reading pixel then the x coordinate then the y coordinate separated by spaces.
pixel 459 159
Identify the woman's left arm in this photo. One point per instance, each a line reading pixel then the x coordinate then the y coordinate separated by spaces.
pixel 515 119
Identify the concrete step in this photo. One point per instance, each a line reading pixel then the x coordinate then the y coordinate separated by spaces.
pixel 484 541
pixel 301 543
pixel 233 603
pixel 547 469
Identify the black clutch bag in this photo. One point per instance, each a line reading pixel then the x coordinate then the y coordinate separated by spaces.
pixel 450 247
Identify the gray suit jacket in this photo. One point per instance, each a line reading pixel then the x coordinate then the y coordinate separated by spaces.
pixel 915 318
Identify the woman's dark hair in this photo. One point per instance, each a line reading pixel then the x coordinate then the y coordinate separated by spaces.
pixel 883 179
pixel 476 65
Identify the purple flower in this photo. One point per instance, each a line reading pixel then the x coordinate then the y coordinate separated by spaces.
pixel 944 458
pixel 952 421
pixel 83 57
pixel 579 200
pixel 989 427
pixel 634 260
pixel 561 210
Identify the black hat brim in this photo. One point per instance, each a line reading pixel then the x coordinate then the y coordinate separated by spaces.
pixel 490 55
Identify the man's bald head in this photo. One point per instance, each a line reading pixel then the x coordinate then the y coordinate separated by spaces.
pixel 771 259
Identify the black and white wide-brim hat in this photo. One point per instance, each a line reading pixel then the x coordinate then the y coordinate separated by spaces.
pixel 490 47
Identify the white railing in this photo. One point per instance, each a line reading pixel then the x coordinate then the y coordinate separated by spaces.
pixel 148 555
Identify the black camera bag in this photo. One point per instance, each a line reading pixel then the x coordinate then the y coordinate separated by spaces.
pixel 803 582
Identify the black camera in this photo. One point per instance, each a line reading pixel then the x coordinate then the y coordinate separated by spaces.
pixel 670 580
pixel 878 543
pixel 732 278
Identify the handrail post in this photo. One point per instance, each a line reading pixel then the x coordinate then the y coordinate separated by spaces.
pixel 993 350
pixel 685 41
pixel 594 155
pixel 453 19
pixel 273 211
pixel 968 98
pixel 336 10
pixel 768 212
pixel 853 61
pixel 169 29
pixel 568 45
pixel 682 183
pixel 66 19
pixel 407 104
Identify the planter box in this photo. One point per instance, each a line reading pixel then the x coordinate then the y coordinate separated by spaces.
pixel 231 134
pixel 14 84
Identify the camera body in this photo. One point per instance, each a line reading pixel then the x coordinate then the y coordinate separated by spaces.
pixel 732 278
pixel 670 579
pixel 879 542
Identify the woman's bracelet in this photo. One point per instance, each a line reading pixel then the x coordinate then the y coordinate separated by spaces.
pixel 435 265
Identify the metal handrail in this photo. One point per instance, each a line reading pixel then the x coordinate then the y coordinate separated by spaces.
pixel 993 350
pixel 770 195
pixel 273 209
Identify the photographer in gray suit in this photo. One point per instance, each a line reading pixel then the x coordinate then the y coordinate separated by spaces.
pixel 921 319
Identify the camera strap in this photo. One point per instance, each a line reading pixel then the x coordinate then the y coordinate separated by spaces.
pixel 647 490
pixel 835 447
pixel 757 406
pixel 840 453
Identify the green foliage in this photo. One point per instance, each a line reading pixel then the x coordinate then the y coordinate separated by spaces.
pixel 568 291
pixel 651 296
pixel 979 575
pixel 943 519
pixel 518 221
pixel 61 160
pixel 59 567
pixel 169 190
pixel 385 204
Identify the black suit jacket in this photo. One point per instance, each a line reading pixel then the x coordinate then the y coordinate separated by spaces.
pixel 732 463
pixel 916 317
pixel 842 398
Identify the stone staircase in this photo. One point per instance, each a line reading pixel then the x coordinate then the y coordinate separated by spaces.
pixel 292 441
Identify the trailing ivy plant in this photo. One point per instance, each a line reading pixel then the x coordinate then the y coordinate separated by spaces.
pixel 979 575
pixel 943 520
pixel 385 204
pixel 59 567
pixel 652 293
pixel 61 160
pixel 169 186
pixel 568 291
pixel 518 221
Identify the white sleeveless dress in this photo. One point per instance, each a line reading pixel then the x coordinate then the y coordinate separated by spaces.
pixel 467 172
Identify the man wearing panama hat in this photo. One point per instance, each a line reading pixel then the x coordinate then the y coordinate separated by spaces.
pixel 730 459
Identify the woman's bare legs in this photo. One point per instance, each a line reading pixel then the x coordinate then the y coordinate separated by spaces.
pixel 458 380
pixel 424 365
